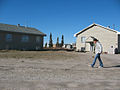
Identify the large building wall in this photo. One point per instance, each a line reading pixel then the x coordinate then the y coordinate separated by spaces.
pixel 106 37
pixel 119 43
pixel 16 42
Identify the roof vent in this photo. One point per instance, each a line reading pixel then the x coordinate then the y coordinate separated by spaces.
pixel 108 26
pixel 18 25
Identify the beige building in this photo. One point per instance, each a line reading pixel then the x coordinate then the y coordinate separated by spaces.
pixel 109 38
pixel 20 37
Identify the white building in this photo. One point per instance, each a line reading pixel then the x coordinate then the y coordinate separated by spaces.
pixel 109 38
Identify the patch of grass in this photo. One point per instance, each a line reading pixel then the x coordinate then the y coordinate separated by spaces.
pixel 37 54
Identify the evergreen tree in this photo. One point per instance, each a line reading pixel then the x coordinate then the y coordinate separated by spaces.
pixel 46 45
pixel 62 41
pixel 50 41
pixel 57 44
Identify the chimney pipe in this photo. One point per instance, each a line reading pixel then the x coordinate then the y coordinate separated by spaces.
pixel 108 26
pixel 18 25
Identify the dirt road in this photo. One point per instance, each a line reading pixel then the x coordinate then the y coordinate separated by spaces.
pixel 57 70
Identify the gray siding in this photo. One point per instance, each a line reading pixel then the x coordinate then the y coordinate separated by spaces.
pixel 16 42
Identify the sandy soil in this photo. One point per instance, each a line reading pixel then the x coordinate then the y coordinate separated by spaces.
pixel 57 70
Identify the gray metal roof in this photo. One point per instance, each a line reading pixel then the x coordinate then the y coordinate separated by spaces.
pixel 20 29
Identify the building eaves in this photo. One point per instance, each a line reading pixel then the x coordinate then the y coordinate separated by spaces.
pixel 94 24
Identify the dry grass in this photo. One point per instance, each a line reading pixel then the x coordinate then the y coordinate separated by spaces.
pixel 37 54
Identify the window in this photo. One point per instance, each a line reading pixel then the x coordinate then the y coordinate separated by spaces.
pixel 25 38
pixel 38 39
pixel 9 37
pixel 83 39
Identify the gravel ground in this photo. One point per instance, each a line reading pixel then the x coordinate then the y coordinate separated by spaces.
pixel 57 70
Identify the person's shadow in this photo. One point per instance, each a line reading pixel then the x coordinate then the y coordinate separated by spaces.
pixel 116 66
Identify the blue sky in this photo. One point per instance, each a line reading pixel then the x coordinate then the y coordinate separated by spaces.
pixel 60 16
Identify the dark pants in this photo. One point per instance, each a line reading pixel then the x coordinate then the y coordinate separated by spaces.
pixel 100 61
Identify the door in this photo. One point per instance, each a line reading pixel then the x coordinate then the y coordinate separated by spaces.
pixel 92 47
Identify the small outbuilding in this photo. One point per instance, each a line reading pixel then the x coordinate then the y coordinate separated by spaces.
pixel 109 38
